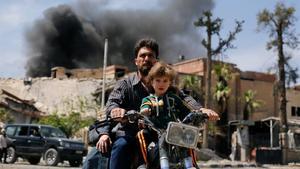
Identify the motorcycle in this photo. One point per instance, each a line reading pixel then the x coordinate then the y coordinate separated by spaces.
pixel 177 143
pixel 173 142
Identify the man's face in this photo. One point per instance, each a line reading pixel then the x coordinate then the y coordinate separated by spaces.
pixel 145 59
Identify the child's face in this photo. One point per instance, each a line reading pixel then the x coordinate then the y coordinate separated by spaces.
pixel 160 85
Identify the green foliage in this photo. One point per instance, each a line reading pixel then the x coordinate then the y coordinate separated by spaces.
pixel 278 24
pixel 5 116
pixel 291 73
pixel 222 71
pixel 72 120
pixel 250 103
pixel 192 83
pixel 222 90
pixel 69 124
pixel 279 21
pixel 213 27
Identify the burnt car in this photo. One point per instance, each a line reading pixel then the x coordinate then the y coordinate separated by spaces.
pixel 33 141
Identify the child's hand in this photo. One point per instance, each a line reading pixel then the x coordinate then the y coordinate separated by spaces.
pixel 146 111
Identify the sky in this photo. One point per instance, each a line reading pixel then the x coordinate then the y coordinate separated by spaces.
pixel 250 54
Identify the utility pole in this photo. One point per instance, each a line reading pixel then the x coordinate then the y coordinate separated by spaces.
pixel 104 74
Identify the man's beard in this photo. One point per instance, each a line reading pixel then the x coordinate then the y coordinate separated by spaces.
pixel 144 70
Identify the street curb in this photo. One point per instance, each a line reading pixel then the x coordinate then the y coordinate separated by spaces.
pixel 227 165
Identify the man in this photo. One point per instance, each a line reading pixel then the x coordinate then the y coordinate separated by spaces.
pixel 127 95
pixel 233 146
pixel 3 145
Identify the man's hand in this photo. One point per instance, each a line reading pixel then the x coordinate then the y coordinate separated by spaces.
pixel 117 114
pixel 103 143
pixel 212 115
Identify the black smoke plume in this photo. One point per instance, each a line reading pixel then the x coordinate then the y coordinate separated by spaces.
pixel 72 36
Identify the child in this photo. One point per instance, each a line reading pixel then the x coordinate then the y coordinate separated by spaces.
pixel 163 105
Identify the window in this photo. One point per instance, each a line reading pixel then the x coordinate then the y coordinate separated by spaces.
pixel 52 132
pixel 11 130
pixel 298 111
pixel 22 130
pixel 34 131
pixel 295 111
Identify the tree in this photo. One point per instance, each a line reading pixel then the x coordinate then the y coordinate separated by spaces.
pixel 69 124
pixel 250 104
pixel 213 27
pixel 279 24
pixel 222 90
pixel 291 73
pixel 192 84
pixel 72 120
pixel 5 116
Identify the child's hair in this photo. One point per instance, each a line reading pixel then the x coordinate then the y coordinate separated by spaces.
pixel 161 69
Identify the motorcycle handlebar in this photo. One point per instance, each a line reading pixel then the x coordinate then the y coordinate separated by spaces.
pixel 196 118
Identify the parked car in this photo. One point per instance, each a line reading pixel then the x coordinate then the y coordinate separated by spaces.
pixel 33 141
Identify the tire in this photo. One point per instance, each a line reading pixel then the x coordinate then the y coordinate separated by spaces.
pixel 51 157
pixel 75 163
pixel 34 160
pixel 11 155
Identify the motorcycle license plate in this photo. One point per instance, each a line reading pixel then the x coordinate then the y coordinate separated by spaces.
pixel 78 152
pixel 182 135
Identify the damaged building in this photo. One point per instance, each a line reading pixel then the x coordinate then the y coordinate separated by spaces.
pixel 67 90
pixel 21 108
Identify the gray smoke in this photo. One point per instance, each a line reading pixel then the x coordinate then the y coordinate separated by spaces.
pixel 72 36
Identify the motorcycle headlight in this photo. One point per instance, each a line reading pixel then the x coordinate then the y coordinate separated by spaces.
pixel 182 135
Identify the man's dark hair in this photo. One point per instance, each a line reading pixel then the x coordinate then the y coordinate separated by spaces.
pixel 146 42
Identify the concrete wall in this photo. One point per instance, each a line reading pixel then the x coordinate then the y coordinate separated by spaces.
pixel 293 155
pixel 264 92
pixel 112 72
pixel 193 66
pixel 55 95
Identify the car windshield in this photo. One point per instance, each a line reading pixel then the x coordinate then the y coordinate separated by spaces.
pixel 52 132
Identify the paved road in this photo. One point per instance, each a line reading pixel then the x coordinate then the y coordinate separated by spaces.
pixel 25 165
pixel 28 166
pixel 244 165
pixel 41 165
